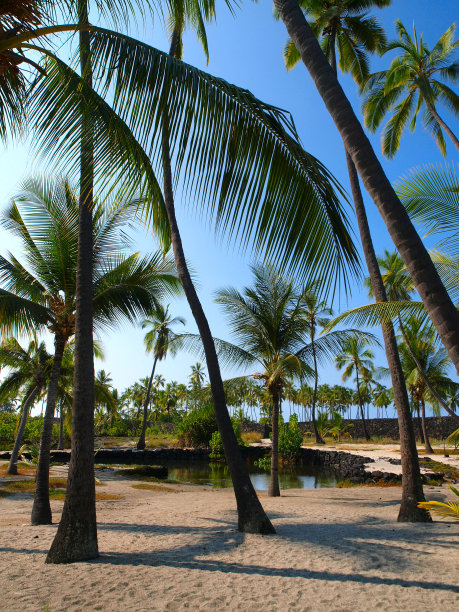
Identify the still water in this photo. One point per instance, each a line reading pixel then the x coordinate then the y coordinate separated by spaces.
pixel 217 475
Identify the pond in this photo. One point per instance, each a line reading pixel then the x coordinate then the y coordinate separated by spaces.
pixel 217 475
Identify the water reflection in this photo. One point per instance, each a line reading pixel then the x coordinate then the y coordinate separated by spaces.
pixel 217 475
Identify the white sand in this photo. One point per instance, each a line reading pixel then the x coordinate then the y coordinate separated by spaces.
pixel 335 549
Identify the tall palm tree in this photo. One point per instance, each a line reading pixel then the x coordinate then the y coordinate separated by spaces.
pixel 415 81
pixel 41 295
pixel 269 323
pixel 436 299
pixel 356 358
pixel 346 26
pixel 28 372
pixel 158 340
pixel 317 314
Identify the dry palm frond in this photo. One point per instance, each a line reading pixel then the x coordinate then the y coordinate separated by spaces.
pixel 448 510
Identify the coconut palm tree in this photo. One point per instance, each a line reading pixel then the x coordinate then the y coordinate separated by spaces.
pixel 437 302
pixel 41 295
pixel 159 340
pixel 317 315
pixel 356 358
pixel 416 80
pixel 435 364
pixel 346 27
pixel 29 371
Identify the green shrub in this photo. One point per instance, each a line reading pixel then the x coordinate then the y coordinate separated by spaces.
pixel 32 430
pixel 290 440
pixel 197 427
pixel 216 444
pixel 264 463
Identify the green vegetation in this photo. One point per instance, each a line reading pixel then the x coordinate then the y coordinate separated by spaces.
pixel 445 510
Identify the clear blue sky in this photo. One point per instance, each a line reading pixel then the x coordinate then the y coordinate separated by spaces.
pixel 247 50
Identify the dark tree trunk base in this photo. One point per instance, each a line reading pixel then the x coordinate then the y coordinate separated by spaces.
pixel 75 541
pixel 12 470
pixel 410 513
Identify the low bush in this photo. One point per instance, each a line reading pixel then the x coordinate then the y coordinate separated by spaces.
pixel 197 427
pixel 290 440
pixel 216 444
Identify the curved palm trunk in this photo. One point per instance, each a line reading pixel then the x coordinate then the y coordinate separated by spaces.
pixel 60 444
pixel 141 442
pixel 76 537
pixel 362 413
pixel 12 467
pixel 319 439
pixel 41 509
pixel 412 491
pixel 427 444
pixel 273 490
pixel 438 303
pixel 251 516
pixel 450 133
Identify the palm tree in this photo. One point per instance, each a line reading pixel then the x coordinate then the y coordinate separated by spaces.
pixel 269 322
pixel 28 371
pixel 356 359
pixel 346 26
pixel 316 313
pixel 42 295
pixel 197 376
pixel 158 340
pixel 414 81
pixel 437 302
pixel 422 350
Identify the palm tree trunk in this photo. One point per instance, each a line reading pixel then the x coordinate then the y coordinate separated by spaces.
pixel 318 437
pixel 419 421
pixel 362 414
pixel 273 490
pixel 251 516
pixel 439 120
pixel 412 491
pixel 141 442
pixel 438 303
pixel 76 537
pixel 60 444
pixel 427 444
pixel 12 467
pixel 41 509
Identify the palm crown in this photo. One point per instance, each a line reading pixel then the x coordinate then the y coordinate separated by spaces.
pixel 40 294
pixel 415 81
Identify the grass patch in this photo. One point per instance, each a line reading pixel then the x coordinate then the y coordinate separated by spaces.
pixel 347 484
pixel 107 497
pixel 251 437
pixel 152 487
pixel 24 469
pixel 437 466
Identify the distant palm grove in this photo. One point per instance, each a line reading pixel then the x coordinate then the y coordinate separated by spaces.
pixel 128 132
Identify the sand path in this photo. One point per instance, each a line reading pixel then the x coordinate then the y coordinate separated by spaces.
pixel 335 549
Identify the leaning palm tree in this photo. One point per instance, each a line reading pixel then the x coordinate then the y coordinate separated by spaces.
pixel 41 293
pixel 356 359
pixel 414 82
pixel 159 340
pixel 344 28
pixel 28 372
pixel 436 299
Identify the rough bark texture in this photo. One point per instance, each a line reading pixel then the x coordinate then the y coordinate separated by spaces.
pixel 362 413
pixel 41 509
pixel 12 467
pixel 141 442
pixel 273 490
pixel 428 283
pixel 76 538
pixel 251 516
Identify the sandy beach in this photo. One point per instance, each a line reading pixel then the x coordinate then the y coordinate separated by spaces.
pixel 175 547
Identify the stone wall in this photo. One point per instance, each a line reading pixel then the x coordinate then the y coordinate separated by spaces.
pixel 437 427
